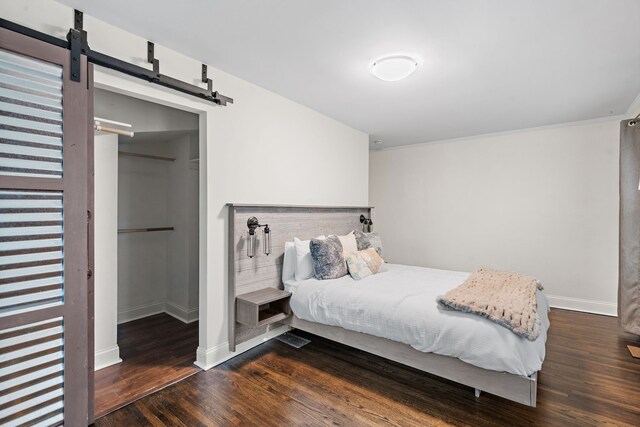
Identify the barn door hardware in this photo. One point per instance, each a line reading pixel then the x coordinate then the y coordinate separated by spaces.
pixel 78 45
pixel 151 58
pixel 206 79
pixel 77 38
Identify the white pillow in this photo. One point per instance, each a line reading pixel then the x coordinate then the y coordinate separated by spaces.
pixel 304 263
pixel 349 243
pixel 289 262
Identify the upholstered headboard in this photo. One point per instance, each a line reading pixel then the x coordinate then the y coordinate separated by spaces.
pixel 265 271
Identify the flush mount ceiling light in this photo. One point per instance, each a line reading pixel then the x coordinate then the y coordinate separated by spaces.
pixel 394 68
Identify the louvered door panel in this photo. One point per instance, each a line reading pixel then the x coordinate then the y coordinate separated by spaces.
pixel 31 250
pixel 31 374
pixel 43 235
pixel 31 110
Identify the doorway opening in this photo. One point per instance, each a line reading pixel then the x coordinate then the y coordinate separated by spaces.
pixel 146 248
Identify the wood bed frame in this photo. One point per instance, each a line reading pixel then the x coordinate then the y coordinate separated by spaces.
pixel 251 274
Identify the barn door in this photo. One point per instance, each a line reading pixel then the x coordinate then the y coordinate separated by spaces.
pixel 43 235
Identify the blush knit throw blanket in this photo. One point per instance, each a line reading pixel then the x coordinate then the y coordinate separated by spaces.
pixel 506 298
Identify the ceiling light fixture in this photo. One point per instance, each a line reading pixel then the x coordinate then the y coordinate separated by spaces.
pixel 394 68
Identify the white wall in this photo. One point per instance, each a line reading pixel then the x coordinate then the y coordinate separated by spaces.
pixel 182 199
pixel 106 247
pixel 262 139
pixel 542 202
pixel 194 244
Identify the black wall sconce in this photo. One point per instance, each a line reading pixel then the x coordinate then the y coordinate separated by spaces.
pixel 253 223
pixel 367 224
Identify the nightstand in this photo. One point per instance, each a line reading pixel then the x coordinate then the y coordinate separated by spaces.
pixel 262 307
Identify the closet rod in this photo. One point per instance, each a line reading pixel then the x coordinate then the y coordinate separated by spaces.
pixel 101 128
pixel 146 156
pixel 144 230
pixel 100 120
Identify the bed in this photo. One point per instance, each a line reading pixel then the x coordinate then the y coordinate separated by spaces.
pixel 400 305
pixel 393 314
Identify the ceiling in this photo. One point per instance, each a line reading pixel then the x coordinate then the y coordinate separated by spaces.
pixel 485 65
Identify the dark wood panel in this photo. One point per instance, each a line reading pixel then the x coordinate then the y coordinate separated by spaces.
pixel 156 351
pixel 90 247
pixel 588 378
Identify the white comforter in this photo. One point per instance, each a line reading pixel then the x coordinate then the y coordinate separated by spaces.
pixel 400 305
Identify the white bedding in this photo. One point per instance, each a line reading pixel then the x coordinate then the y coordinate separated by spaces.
pixel 400 305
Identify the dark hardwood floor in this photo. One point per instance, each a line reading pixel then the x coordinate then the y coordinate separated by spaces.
pixel 588 379
pixel 156 351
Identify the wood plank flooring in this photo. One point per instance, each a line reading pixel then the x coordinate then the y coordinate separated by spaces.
pixel 156 351
pixel 588 379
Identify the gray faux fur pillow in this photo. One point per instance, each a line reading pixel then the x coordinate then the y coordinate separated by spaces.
pixel 328 260
pixel 368 240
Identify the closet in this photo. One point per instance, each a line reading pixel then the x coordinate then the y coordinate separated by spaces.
pixel 146 247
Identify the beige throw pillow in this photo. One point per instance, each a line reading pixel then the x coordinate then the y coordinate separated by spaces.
pixel 349 243
pixel 364 263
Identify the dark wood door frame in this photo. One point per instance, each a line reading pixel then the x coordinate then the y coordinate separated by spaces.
pixel 90 250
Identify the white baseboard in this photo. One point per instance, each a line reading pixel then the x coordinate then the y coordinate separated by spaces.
pixel 107 357
pixel 587 306
pixel 181 313
pixel 140 311
pixel 207 359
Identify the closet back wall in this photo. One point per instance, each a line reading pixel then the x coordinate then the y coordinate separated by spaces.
pixel 142 257
pixel 158 271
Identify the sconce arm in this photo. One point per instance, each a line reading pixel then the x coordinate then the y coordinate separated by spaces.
pixel 253 223
pixel 366 221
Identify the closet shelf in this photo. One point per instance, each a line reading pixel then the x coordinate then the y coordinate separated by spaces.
pixel 144 230
pixel 146 156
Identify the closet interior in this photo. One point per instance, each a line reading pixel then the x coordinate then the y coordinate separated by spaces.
pixel 146 247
